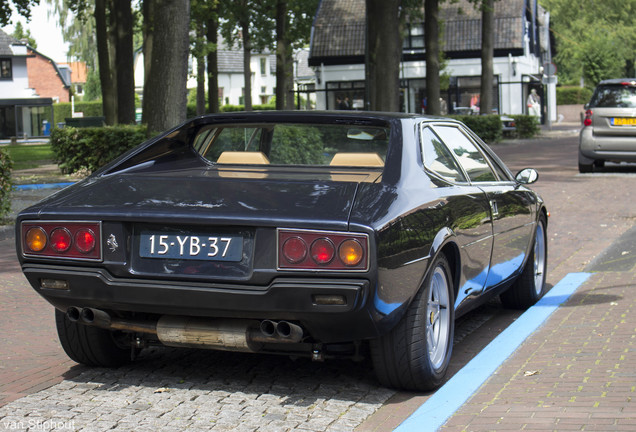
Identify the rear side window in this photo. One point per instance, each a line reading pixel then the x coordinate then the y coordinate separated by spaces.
pixel 438 158
pixel 614 96
pixel 467 154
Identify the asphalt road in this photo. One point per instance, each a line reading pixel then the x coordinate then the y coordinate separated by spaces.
pixel 169 388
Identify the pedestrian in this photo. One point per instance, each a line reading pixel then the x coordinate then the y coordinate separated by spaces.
pixel 534 104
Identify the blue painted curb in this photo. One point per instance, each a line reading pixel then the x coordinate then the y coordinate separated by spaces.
pixel 433 413
pixel 42 186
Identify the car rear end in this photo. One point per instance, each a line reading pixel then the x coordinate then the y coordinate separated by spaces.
pixel 224 253
pixel 609 128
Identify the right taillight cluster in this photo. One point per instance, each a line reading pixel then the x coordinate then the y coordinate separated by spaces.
pixel 322 250
pixel 587 121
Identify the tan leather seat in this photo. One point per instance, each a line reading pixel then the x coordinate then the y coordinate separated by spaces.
pixel 248 158
pixel 357 159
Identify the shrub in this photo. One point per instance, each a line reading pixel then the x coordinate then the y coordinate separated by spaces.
pixel 573 95
pixel 5 182
pixel 62 110
pixel 487 127
pixel 91 148
pixel 527 126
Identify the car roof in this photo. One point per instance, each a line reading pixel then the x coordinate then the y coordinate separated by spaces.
pixel 630 81
pixel 290 116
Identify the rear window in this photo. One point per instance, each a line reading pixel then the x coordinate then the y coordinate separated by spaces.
pixel 293 144
pixel 614 96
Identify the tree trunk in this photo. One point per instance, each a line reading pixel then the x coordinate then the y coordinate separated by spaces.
pixel 213 65
pixel 384 53
pixel 165 93
pixel 281 55
pixel 487 52
pixel 247 70
pixel 148 31
pixel 289 79
pixel 106 76
pixel 124 61
pixel 200 72
pixel 431 41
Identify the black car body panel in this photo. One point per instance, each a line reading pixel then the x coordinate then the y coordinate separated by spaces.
pixel 408 213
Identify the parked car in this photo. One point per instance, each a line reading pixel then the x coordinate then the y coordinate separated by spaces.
pixel 327 235
pixel 609 127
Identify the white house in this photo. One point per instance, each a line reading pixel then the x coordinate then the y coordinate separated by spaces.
pixel 231 82
pixel 25 105
pixel 522 48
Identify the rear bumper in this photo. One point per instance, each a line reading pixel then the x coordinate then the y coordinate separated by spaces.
pixel 293 299
pixel 607 147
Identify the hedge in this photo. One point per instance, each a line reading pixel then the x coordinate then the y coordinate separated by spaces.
pixel 63 110
pixel 78 149
pixel 526 126
pixel 487 127
pixel 573 95
pixel 5 182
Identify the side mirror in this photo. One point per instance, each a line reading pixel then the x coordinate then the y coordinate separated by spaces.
pixel 527 176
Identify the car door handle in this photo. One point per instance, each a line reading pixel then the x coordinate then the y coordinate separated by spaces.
pixel 494 208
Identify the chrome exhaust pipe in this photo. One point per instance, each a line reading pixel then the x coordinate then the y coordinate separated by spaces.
pixel 73 314
pixel 194 332
pixel 268 328
pixel 289 332
pixel 95 317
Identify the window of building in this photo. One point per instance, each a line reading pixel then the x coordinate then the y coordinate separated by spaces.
pixel 5 69
pixel 414 39
pixel 263 66
pixel 345 95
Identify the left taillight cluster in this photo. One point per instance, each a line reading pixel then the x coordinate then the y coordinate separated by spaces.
pixel 70 240
pixel 322 250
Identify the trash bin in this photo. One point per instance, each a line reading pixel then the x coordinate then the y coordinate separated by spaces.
pixel 46 128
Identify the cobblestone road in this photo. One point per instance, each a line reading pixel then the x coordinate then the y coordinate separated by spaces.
pixel 172 390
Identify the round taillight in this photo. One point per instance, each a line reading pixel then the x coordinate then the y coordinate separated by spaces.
pixel 350 252
pixel 294 250
pixel 36 239
pixel 60 239
pixel 85 240
pixel 322 251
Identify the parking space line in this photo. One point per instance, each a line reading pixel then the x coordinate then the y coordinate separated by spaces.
pixel 433 413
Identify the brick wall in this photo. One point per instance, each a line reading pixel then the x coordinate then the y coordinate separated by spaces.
pixel 43 77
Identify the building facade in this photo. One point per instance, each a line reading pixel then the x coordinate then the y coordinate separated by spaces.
pixel 29 84
pixel 522 49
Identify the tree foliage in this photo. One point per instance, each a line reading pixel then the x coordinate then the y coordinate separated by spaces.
pixel 20 34
pixel 595 41
pixel 23 7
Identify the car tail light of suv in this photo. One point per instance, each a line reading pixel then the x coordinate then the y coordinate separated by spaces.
pixel 322 250
pixel 587 121
pixel 65 240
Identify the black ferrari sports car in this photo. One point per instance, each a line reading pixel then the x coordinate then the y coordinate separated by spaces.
pixel 324 234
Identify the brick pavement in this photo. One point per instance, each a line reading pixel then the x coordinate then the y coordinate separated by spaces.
pixel 578 372
pixel 31 357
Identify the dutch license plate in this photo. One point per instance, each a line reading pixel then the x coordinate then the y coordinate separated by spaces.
pixel 623 121
pixel 191 246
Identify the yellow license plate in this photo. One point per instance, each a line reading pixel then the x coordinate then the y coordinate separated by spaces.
pixel 621 121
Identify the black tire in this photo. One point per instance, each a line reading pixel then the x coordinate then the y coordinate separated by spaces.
pixel 88 345
pixel 585 168
pixel 415 354
pixel 530 285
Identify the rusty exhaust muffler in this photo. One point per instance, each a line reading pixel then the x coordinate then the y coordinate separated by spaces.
pixel 194 332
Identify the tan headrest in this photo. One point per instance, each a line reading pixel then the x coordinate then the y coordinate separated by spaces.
pixel 357 159
pixel 249 158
